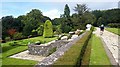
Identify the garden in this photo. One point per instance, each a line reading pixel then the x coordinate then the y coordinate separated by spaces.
pixel 34 39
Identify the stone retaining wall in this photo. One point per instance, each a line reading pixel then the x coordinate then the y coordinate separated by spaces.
pixel 57 54
pixel 44 49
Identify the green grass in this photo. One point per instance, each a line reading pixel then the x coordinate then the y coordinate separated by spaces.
pixel 8 50
pixel 24 42
pixel 98 55
pixel 72 56
pixel 114 30
pixel 13 61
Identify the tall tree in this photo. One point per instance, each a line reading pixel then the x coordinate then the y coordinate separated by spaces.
pixel 80 18
pixel 9 22
pixel 32 20
pixel 81 9
pixel 66 11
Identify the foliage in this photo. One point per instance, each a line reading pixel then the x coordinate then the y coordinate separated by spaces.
pixel 66 28
pixel 14 43
pixel 48 29
pixel 23 23
pixel 18 35
pixel 11 31
pixel 8 24
pixel 7 39
pixel 100 21
pixel 37 43
pixel 66 11
pixel 114 25
pixel 82 17
pixel 27 29
pixel 32 20
pixel 97 14
pixel 69 36
pixel 58 30
pixel 81 9
pixel 106 16
pixel 92 28
pixel 38 31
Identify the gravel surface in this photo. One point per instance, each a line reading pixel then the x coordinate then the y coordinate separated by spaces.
pixel 24 55
pixel 111 40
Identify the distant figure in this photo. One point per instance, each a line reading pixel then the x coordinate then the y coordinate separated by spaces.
pixel 101 29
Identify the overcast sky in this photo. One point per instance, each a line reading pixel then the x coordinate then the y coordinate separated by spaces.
pixel 50 9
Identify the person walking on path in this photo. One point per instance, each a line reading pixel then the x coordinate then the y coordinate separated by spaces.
pixel 101 29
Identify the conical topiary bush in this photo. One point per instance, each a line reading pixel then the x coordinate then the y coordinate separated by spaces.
pixel 48 29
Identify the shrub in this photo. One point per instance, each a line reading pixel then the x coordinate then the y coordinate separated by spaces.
pixel 92 28
pixel 7 39
pixel 11 31
pixel 58 30
pixel 66 29
pixel 34 32
pixel 48 30
pixel 59 38
pixel 69 36
pixel 37 43
pixel 40 30
pixel 18 35
pixel 13 44
pixel 115 25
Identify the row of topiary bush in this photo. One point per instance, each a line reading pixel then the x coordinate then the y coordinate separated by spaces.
pixel 74 55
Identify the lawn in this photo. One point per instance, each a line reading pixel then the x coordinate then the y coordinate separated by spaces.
pixel 73 55
pixel 98 55
pixel 114 30
pixel 8 50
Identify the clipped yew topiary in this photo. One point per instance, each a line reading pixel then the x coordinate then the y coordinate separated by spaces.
pixel 48 29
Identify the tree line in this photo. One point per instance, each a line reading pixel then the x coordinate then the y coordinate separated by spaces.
pixel 33 22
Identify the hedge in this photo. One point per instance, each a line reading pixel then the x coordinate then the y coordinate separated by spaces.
pixel 114 25
pixel 73 56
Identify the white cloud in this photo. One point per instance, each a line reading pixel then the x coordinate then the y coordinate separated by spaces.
pixel 54 13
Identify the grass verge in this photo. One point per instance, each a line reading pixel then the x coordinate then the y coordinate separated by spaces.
pixel 114 30
pixel 98 55
pixel 73 56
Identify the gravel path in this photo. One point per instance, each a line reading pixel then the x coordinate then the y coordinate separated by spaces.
pixel 111 41
pixel 26 56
